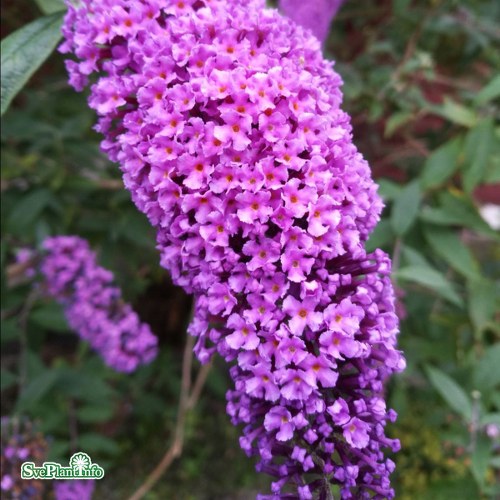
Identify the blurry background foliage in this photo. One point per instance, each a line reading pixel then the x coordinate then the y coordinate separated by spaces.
pixel 422 86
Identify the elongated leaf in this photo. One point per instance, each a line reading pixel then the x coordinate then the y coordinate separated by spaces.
pixel 24 51
pixel 7 379
pixel 480 459
pixel 490 92
pixel 50 6
pixel 28 208
pixel 457 113
pixel 396 121
pixel 405 209
pixel 451 392
pixel 441 164
pixel 483 303
pixel 432 279
pixel 478 145
pixel 36 389
pixel 447 244
pixel 487 372
pixel 50 317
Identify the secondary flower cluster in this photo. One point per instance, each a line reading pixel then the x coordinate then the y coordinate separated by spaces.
pixel 315 15
pixel 226 122
pixel 74 490
pixel 20 443
pixel 93 306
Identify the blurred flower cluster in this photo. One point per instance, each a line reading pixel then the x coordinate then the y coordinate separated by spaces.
pixel 21 442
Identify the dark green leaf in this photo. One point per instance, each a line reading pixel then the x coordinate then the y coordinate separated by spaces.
pixel 381 236
pixel 441 164
pixel 457 113
pixel 50 316
pixel 24 51
pixel 37 389
pixel 430 278
pixel 9 330
pixel 448 245
pixel 92 442
pixel 50 6
pixel 7 379
pixel 483 302
pixel 486 373
pixel 490 91
pixel 395 121
pixel 28 208
pixel 478 144
pixel 451 392
pixel 95 414
pixel 480 459
pixel 405 208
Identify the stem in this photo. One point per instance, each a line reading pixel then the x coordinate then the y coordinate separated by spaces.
pixel 328 490
pixel 187 402
pixel 23 337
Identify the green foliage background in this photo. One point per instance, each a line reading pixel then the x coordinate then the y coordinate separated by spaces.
pixel 422 84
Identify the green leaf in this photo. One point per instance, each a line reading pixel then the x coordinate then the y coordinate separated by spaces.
pixel 489 92
pixel 7 379
pixel 483 302
pixel 381 236
pixel 9 330
pixel 450 391
pixel 430 278
pixel 414 258
pixel 395 121
pixel 456 113
pixel 480 459
pixel 486 373
pixel 95 414
pixel 405 209
pixel 92 442
pixel 50 317
pixel 28 208
pixel 456 210
pixel 478 145
pixel 389 190
pixel 441 164
pixel 77 384
pixel 491 418
pixel 447 244
pixel 24 51
pixel 36 389
pixel 50 6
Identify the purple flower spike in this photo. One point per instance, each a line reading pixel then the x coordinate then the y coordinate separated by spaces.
pixel 93 307
pixel 226 122
pixel 315 15
pixel 74 490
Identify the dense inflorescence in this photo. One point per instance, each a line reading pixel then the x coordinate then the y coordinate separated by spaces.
pixel 315 15
pixel 74 490
pixel 21 442
pixel 93 306
pixel 226 122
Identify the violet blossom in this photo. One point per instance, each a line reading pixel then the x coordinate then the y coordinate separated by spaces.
pixel 74 490
pixel 226 123
pixel 315 15
pixel 93 306
pixel 21 442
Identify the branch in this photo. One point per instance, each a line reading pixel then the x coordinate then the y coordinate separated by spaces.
pixel 187 402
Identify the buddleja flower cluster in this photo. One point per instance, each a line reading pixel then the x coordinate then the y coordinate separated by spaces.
pixel 93 306
pixel 74 490
pixel 21 442
pixel 226 122
pixel 315 15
